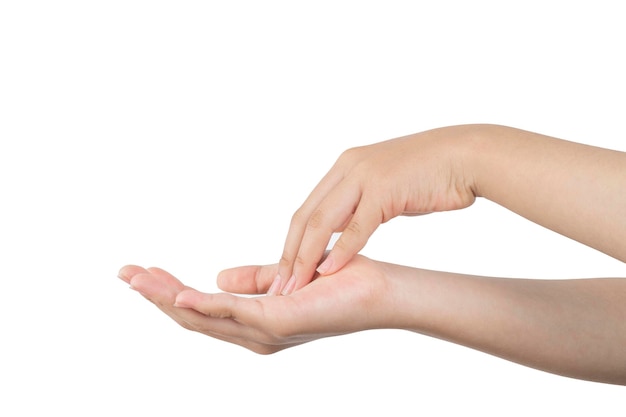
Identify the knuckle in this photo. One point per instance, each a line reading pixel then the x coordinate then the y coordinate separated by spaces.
pixel 351 155
pixel 220 314
pixel 300 260
pixel 341 243
pixel 351 239
pixel 316 220
pixel 285 259
pixel 299 217
pixel 353 228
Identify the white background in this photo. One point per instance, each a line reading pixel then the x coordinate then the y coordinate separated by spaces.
pixel 184 135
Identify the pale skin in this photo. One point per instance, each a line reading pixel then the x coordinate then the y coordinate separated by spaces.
pixel 574 327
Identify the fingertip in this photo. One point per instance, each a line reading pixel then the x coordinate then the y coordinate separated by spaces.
pixel 298 280
pixel 223 278
pixel 285 270
pixel 127 272
pixel 251 279
pixel 327 266
pixel 334 261
pixel 121 274
pixel 183 299
pixel 228 278
pixel 275 287
pixel 140 283
pixel 290 286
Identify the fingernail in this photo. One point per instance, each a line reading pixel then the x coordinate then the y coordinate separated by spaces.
pixel 135 289
pixel 326 265
pixel 290 286
pixel 275 286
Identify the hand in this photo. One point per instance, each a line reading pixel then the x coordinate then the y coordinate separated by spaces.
pixel 529 321
pixel 354 299
pixel 368 186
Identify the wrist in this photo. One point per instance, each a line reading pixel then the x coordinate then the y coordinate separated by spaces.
pixel 475 151
pixel 486 157
pixel 408 298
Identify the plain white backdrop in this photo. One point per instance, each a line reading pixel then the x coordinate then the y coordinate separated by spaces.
pixel 184 135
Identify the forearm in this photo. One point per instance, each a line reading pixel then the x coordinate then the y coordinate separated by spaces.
pixel 575 328
pixel 573 189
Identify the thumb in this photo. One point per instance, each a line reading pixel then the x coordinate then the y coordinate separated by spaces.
pixel 251 279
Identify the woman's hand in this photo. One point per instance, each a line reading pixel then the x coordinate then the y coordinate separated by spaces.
pixel 538 177
pixel 368 186
pixel 570 327
pixel 354 299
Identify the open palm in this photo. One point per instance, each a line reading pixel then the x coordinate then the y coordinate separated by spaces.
pixel 353 299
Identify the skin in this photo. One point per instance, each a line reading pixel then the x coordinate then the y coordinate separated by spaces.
pixel 573 189
pixel 573 327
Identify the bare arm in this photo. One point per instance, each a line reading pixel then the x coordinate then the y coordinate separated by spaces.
pixel 575 328
pixel 576 190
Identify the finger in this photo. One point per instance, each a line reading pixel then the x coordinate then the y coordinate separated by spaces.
pixel 328 217
pixel 162 289
pixel 225 329
pixel 157 285
pixel 129 271
pixel 165 276
pixel 300 219
pixel 354 236
pixel 221 305
pixel 224 314
pixel 253 279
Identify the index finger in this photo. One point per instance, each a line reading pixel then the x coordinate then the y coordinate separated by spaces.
pixel 299 222
pixel 330 216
